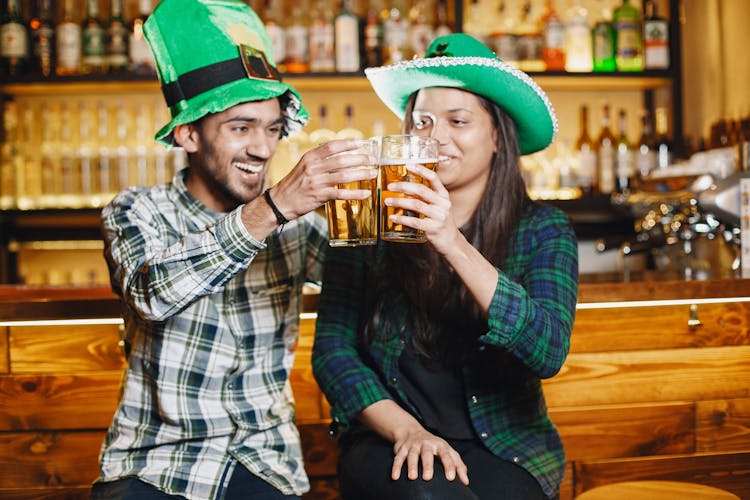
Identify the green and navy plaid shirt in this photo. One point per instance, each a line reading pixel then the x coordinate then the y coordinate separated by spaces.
pixel 212 319
pixel 530 320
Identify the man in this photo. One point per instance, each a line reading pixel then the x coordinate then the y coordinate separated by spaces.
pixel 210 270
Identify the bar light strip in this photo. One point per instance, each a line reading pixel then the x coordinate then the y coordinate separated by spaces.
pixel 312 315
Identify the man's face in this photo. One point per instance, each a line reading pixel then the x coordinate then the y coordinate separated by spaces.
pixel 230 152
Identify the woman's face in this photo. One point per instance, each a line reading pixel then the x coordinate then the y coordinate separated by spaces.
pixel 466 134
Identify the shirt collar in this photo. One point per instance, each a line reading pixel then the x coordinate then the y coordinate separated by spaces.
pixel 201 214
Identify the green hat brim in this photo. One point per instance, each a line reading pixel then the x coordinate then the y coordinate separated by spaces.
pixel 508 87
pixel 238 92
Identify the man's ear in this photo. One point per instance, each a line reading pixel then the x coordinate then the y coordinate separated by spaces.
pixel 186 136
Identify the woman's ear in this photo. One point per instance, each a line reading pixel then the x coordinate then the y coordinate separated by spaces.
pixel 187 137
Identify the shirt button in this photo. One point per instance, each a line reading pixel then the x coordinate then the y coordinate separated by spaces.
pixel 474 399
pixel 230 386
pixel 484 435
pixel 394 380
pixel 516 460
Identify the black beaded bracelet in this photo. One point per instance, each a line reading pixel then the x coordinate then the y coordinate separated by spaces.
pixel 280 219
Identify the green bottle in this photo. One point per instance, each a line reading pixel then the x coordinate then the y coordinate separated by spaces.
pixel 603 43
pixel 628 36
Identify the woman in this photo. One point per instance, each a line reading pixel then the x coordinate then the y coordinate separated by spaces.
pixel 431 355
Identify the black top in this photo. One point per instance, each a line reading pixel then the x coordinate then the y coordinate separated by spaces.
pixel 437 393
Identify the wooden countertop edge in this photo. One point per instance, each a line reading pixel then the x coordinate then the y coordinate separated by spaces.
pixel 23 303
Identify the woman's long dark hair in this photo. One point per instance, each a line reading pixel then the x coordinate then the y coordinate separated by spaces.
pixel 438 300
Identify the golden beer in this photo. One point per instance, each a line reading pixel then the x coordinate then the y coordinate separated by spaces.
pixel 392 171
pixel 354 222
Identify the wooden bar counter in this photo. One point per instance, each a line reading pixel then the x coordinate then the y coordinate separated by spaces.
pixel 656 386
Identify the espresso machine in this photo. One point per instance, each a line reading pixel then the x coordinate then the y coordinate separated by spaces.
pixel 694 232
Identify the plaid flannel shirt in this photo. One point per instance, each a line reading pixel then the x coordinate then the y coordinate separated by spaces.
pixel 212 319
pixel 530 319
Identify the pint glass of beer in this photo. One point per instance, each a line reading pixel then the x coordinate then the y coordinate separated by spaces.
pixel 398 151
pixel 355 222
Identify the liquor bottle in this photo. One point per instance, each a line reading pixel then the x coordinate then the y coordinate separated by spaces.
pixel 578 51
pixel 14 45
pixel 605 154
pixel 645 158
pixel 68 42
pixel 94 40
pixel 624 157
pixel 139 53
pixel 655 38
pixel 322 38
pixel 504 36
pixel 323 133
pixel 664 153
pixel 373 35
pixel 603 34
pixel 553 48
pixel 347 39
pixel 628 35
pixel 117 39
pixel 349 131
pixel 475 24
pixel 421 31
pixel 529 40
pixel 297 40
pixel 42 34
pixel 586 155
pixel 276 32
pixel 442 24
pixel 395 34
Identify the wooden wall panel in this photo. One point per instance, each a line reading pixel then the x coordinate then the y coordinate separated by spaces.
pixel 44 459
pixel 626 431
pixel 651 376
pixel 730 471
pixel 665 327
pixel 79 493
pixel 61 349
pixel 52 402
pixel 723 425
pixel 320 449
pixel 4 361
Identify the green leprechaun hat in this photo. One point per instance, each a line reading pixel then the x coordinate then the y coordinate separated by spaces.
pixel 212 55
pixel 461 61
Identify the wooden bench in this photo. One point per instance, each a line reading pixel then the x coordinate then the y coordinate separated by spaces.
pixel 642 396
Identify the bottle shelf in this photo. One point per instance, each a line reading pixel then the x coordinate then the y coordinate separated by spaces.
pixel 326 81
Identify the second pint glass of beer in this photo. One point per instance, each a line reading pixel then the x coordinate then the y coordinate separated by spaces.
pixel 355 222
pixel 398 151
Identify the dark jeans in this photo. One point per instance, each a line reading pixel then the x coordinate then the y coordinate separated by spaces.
pixel 243 485
pixel 365 473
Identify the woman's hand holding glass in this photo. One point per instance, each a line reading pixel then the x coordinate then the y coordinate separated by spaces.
pixel 432 201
